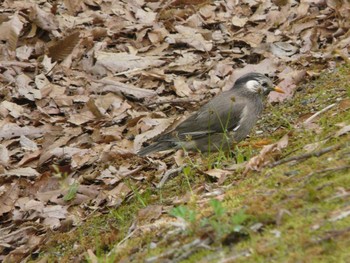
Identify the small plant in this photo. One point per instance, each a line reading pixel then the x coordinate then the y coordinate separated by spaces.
pixel 72 191
pixel 188 172
pixel 219 210
pixel 238 219
pixel 72 188
pixel 243 155
pixel 185 213
pixel 136 193
pixel 57 172
pixel 219 221
pixel 188 215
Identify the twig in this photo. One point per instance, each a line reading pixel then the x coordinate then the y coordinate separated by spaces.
pixel 192 247
pixel 332 169
pixel 306 155
pixel 186 250
pixel 15 233
pixel 310 119
pixel 332 234
pixel 235 256
pixel 132 230
pixel 6 64
pixel 174 101
pixel 167 175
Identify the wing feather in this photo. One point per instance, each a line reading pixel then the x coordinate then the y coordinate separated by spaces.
pixel 221 114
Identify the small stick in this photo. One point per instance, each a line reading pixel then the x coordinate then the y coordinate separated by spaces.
pixel 332 169
pixel 167 175
pixel 310 119
pixel 306 155
pixel 174 101
pixel 186 250
pixel 332 234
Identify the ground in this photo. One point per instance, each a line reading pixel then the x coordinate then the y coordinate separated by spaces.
pixel 296 211
pixel 85 84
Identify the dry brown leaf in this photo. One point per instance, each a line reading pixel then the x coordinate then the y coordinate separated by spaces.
pixel 21 172
pixel 82 117
pixel 191 37
pixel 25 88
pixel 12 130
pixel 9 194
pixel 267 155
pixel 28 157
pixel 145 17
pixel 218 174
pixel 344 104
pixel 160 126
pixel 27 143
pixel 73 6
pixel 10 30
pixel 23 53
pixel 42 19
pixel 283 49
pixel 113 85
pixel 181 87
pixel 149 213
pixel 4 155
pixel 13 109
pixel 64 47
pixel 117 195
pixel 119 62
pixel 239 21
pixel 23 240
pixel 61 152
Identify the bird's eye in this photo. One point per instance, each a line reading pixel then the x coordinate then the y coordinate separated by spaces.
pixel 265 84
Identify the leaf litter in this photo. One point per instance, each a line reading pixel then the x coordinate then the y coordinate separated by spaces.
pixel 79 88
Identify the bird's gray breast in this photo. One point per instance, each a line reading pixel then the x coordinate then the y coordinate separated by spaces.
pixel 248 118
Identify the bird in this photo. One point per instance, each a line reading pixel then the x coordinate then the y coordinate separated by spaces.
pixel 222 122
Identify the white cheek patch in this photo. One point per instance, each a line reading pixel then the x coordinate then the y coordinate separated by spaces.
pixel 253 85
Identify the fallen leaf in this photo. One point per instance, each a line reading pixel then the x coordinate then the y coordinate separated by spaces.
pixel 64 47
pixel 192 37
pixel 219 174
pixel 9 194
pixel 149 213
pixel 13 109
pixel 119 62
pixel 42 19
pixel 4 155
pixel 267 155
pixel 160 126
pixel 19 172
pixel 10 30
pixel 239 21
pixel 112 85
pixel 181 87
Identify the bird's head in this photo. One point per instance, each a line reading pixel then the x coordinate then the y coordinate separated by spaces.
pixel 256 83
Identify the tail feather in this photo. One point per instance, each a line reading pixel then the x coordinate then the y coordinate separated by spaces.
pixel 155 147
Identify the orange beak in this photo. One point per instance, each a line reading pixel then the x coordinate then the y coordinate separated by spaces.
pixel 278 89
